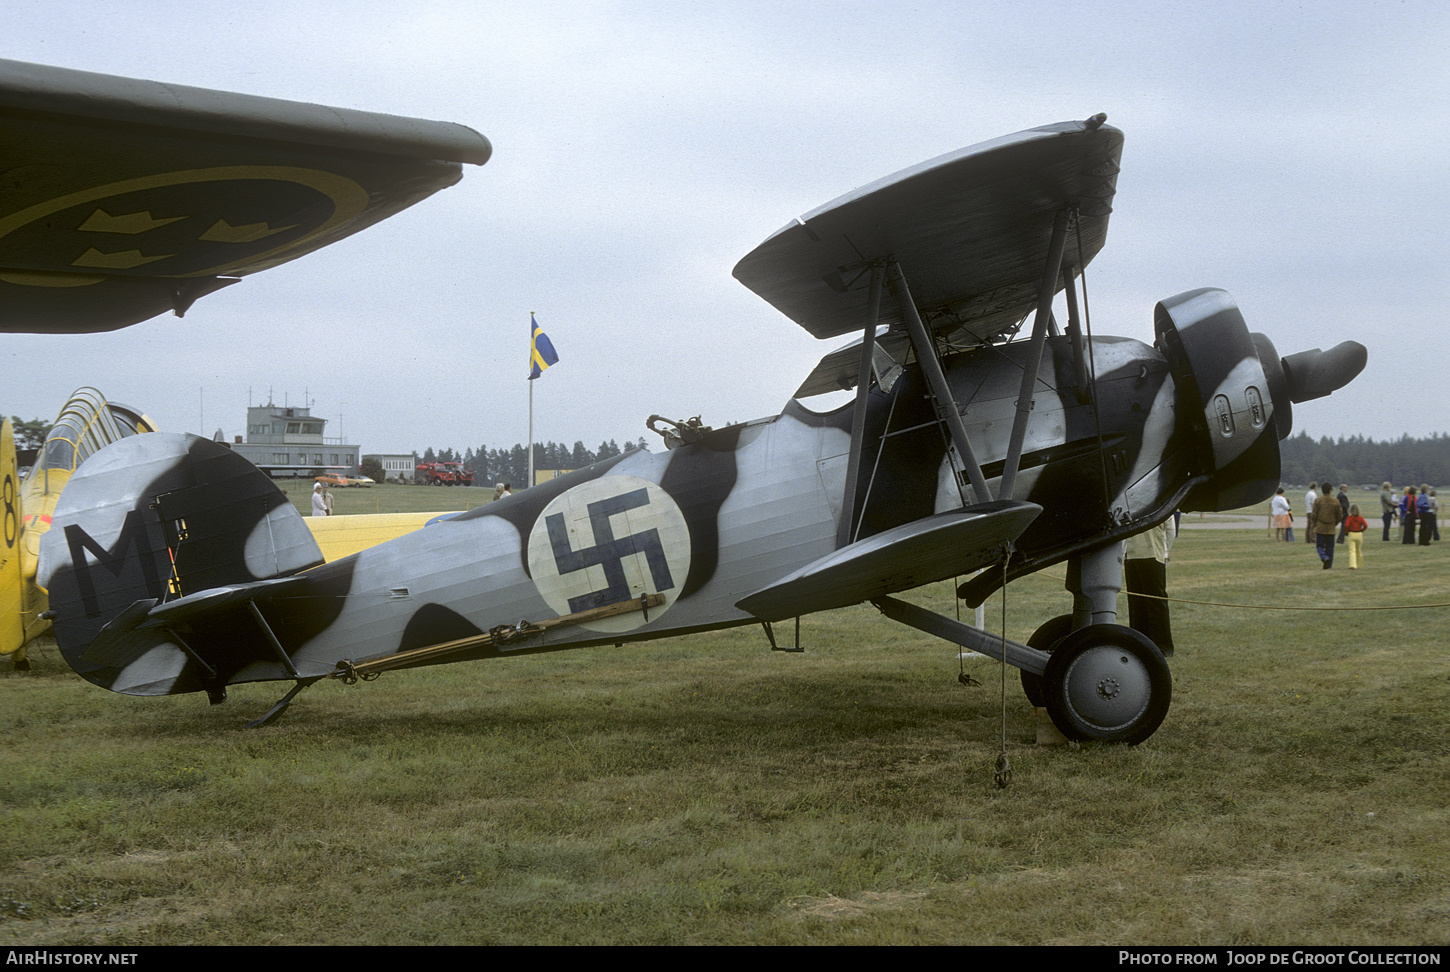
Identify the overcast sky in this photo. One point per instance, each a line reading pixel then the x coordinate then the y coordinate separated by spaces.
pixel 1294 154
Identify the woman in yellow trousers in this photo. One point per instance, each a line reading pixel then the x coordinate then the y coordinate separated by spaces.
pixel 1354 527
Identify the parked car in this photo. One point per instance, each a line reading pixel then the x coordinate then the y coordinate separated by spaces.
pixel 332 479
pixel 365 482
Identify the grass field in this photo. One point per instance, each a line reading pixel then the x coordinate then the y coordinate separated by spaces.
pixel 705 790
pixel 389 498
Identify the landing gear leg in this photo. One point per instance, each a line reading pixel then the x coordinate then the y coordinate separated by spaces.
pixel 1094 580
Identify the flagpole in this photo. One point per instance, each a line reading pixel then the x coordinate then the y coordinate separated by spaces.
pixel 531 403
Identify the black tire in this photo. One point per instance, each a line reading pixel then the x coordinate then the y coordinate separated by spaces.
pixel 1109 683
pixel 1048 633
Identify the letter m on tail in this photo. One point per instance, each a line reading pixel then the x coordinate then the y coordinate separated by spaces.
pixel 115 578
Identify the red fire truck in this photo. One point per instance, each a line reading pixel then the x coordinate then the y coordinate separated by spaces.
pixel 442 474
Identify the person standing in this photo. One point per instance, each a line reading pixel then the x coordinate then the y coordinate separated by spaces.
pixel 1343 498
pixel 1283 519
pixel 1409 515
pixel 1434 516
pixel 1427 518
pixel 1309 499
pixel 1354 527
pixel 1324 520
pixel 1387 508
pixel 1145 575
pixel 319 502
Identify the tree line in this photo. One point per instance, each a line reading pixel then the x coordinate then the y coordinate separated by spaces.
pixel 511 465
pixel 1353 459
pixel 29 435
pixel 1365 462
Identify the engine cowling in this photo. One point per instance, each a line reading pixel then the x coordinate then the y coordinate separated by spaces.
pixel 1236 395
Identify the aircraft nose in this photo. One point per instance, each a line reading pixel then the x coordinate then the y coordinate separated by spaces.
pixel 1237 394
pixel 1314 374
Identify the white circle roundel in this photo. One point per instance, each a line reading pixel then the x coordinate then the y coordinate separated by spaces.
pixel 608 541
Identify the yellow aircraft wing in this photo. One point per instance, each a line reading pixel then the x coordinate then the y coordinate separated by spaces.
pixel 342 536
pixel 127 198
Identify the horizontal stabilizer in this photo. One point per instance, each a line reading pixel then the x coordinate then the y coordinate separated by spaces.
pixel 206 603
pixel 140 653
pixel 922 552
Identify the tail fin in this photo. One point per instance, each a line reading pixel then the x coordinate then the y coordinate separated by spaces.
pixel 153 517
pixel 12 591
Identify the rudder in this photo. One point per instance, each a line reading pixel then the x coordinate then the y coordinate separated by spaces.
pixel 153 517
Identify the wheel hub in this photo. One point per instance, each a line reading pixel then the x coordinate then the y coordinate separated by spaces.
pixel 1108 687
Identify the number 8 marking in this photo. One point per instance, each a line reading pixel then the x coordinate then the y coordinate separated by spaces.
pixel 12 519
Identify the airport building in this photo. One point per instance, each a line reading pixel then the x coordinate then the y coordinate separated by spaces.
pixel 395 467
pixel 286 443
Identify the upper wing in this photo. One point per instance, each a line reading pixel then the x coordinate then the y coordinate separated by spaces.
pixel 970 230
pixel 123 198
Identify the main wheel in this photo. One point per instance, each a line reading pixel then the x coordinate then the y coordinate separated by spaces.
pixel 1107 682
pixel 1047 634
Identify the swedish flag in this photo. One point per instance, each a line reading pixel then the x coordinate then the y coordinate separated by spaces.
pixel 541 350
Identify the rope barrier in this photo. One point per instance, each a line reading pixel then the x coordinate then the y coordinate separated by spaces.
pixel 1287 607
pixel 1270 607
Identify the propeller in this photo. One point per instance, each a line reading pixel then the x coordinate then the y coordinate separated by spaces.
pixel 1307 375
pixel 1314 374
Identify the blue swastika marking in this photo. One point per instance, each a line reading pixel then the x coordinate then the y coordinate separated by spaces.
pixel 608 551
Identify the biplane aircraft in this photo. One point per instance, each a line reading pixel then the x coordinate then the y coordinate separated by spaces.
pixel 174 566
